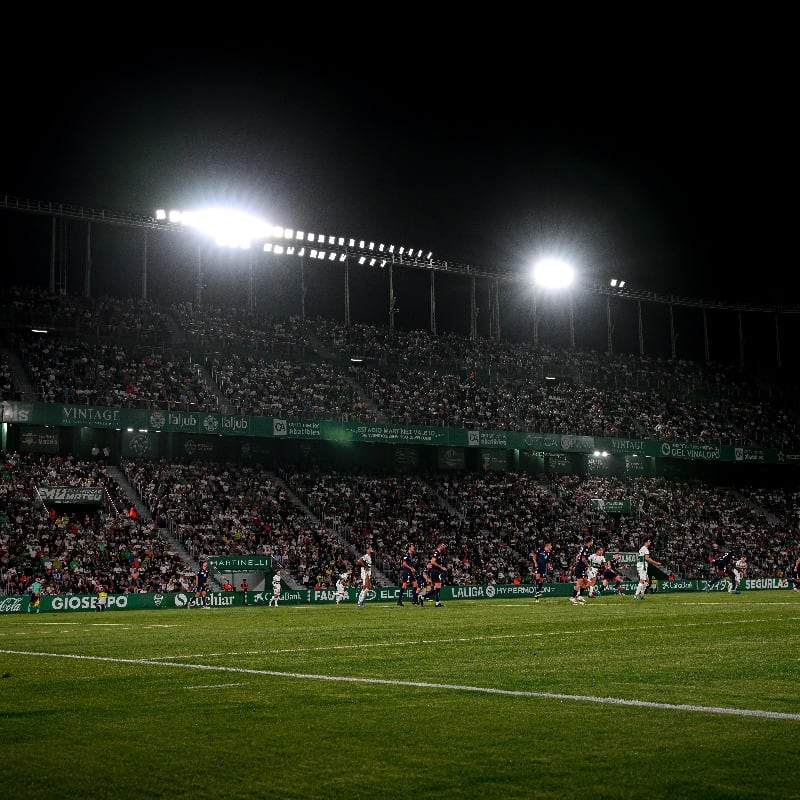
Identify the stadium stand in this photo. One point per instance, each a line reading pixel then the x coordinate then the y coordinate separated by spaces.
pixel 314 517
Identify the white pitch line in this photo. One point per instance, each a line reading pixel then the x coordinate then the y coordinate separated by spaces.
pixel 739 712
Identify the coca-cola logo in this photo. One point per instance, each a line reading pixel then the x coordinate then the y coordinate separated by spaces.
pixel 10 605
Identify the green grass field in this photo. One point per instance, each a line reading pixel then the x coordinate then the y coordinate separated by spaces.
pixel 677 696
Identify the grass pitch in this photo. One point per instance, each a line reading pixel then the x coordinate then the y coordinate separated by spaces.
pixel 676 696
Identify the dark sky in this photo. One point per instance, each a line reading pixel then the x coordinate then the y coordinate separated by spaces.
pixel 666 163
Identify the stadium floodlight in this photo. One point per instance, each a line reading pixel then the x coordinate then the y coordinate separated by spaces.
pixel 362 259
pixel 372 262
pixel 232 228
pixel 313 254
pixel 552 273
pixel 227 226
pixel 615 282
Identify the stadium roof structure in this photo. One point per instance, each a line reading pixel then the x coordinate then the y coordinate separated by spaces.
pixel 277 240
pixel 291 241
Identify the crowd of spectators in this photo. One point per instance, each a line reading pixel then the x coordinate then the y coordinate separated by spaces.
pixel 283 388
pixel 104 373
pixel 314 523
pixel 8 389
pixel 261 365
pixel 225 328
pixel 77 550
pixel 492 522
pixel 227 509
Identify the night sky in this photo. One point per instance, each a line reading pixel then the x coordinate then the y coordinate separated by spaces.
pixel 664 165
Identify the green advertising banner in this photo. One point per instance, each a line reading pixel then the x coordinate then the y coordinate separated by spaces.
pixel 203 424
pixel 240 563
pixel 18 604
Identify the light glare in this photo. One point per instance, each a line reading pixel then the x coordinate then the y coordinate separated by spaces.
pixel 553 273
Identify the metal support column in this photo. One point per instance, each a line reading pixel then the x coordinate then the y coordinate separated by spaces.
pixel 144 267
pixel 87 267
pixel 473 311
pixel 672 336
pixel 347 292
pixel 433 303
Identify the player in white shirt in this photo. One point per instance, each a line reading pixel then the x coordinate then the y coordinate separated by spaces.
pixel 642 560
pixel 276 588
pixel 739 573
pixel 597 563
pixel 341 585
pixel 365 562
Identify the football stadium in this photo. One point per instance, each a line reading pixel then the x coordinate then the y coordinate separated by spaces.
pixel 207 440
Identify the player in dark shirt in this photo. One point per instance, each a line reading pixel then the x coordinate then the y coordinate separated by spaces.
pixel 612 574
pixel 723 567
pixel 436 569
pixel 408 576
pixel 201 586
pixel 541 564
pixel 796 576
pixel 579 571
